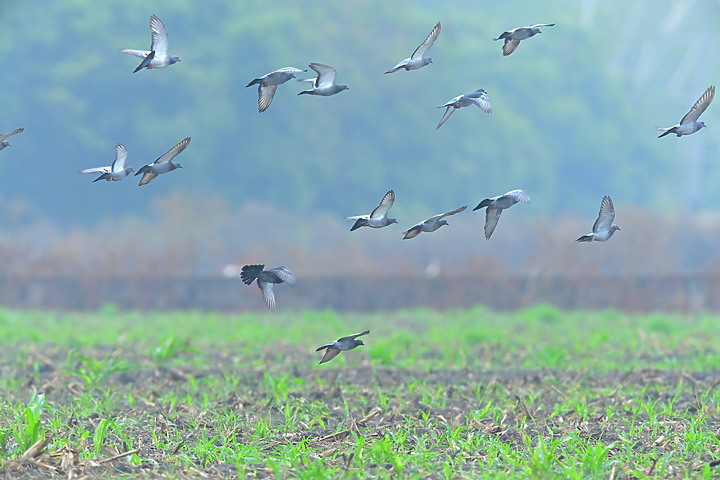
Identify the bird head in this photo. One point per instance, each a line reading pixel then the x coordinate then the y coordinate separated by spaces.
pixel 614 227
pixel 701 125
pixel 360 342
pixel 174 60
pixel 391 220
pixel 343 87
pixel 443 222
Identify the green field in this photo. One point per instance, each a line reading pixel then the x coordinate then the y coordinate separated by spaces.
pixel 537 393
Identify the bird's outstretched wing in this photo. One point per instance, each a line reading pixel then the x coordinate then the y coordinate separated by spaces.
pixel 700 106
pixel 425 46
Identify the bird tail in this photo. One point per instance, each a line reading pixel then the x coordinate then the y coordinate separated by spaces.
pixel 254 82
pixel 102 177
pixel 485 203
pixel 250 273
pixel 585 238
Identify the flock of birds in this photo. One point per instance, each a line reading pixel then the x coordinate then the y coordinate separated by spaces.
pixel 324 85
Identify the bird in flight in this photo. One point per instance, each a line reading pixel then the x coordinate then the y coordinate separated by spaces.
pixel 689 123
pixel 495 206
pixel 162 164
pixel 266 280
pixel 324 84
pixel 378 218
pixel 603 228
pixel 157 56
pixel 431 224
pixel 3 136
pixel 115 172
pixel 513 37
pixel 343 344
pixel 418 58
pixel 478 97
pixel 268 83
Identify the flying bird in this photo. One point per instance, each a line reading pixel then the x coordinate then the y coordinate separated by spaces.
pixel 496 205
pixel 266 280
pixel 513 37
pixel 478 97
pixel 689 123
pixel 158 56
pixel 603 228
pixel 431 224
pixel 324 85
pixel 343 344
pixel 3 136
pixel 378 218
pixel 418 58
pixel 115 172
pixel 268 83
pixel 163 164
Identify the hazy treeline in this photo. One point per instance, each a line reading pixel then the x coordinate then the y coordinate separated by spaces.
pixel 574 112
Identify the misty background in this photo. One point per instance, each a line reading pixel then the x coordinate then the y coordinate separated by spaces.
pixel 574 117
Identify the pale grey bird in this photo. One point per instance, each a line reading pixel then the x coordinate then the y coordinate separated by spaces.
pixel 603 228
pixel 158 56
pixel 496 205
pixel 418 58
pixel 115 172
pixel 163 164
pixel 268 83
pixel 378 218
pixel 3 136
pixel 513 37
pixel 343 344
pixel 266 280
pixel 478 97
pixel 689 123
pixel 324 84
pixel 431 224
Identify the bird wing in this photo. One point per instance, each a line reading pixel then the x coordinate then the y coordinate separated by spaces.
pixel 357 217
pixel 137 53
pixel 492 216
pixel 121 154
pixel 432 36
pixel 6 135
pixel 700 106
pixel 413 231
pixel 173 152
pixel 95 170
pixel 266 93
pixel 606 216
pixel 510 45
pixel 449 110
pixel 148 176
pixel 159 43
pixel 481 99
pixel 330 353
pixel 385 204
pixel 518 196
pixel 326 75
pixel 267 290
pixel 541 25
pixel 292 70
pixel 284 274
pixel 446 214
pixel 355 335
